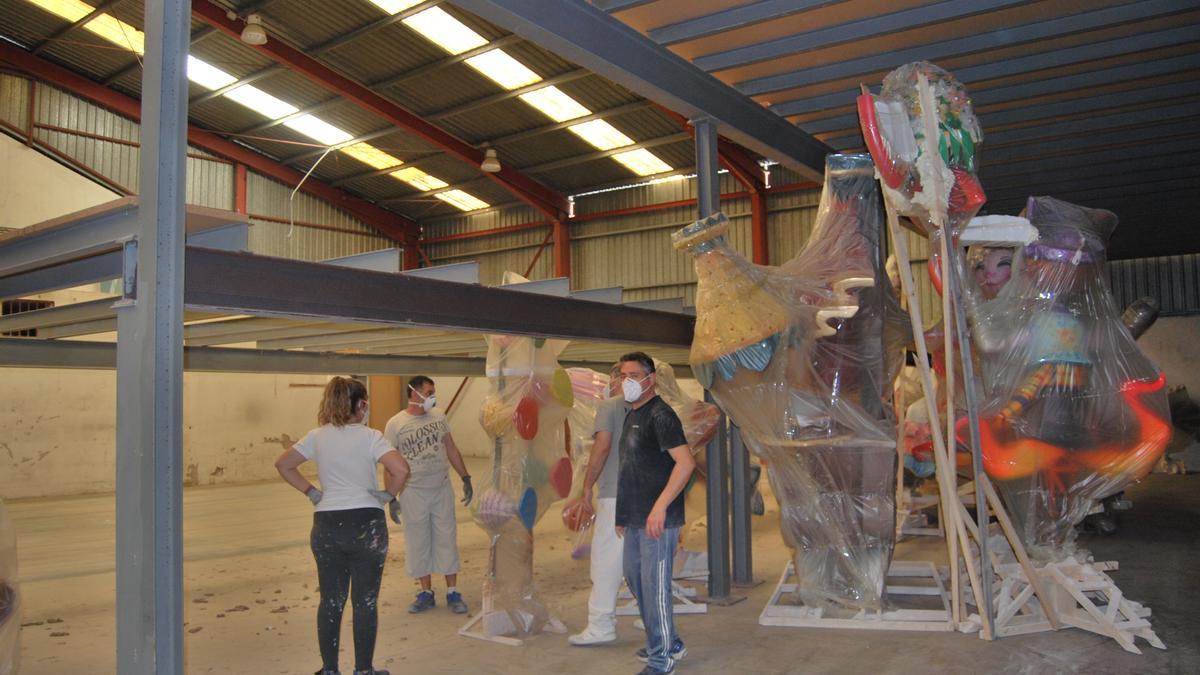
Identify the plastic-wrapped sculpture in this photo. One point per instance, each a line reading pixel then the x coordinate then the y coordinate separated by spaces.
pixel 529 397
pixel 779 351
pixel 1074 411
pixel 10 599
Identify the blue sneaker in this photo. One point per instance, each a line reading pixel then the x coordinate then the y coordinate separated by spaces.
pixel 455 602
pixel 678 651
pixel 423 602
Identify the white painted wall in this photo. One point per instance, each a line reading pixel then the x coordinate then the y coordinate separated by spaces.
pixel 37 188
pixel 1171 345
pixel 58 428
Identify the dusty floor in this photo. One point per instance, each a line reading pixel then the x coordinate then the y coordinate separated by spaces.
pixel 250 600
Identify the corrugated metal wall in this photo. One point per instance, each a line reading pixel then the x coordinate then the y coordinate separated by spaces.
pixel 104 147
pixel 1174 281
pixel 338 235
pixel 495 253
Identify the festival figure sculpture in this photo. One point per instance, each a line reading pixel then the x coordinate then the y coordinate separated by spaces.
pixel 780 352
pixel 528 399
pixel 1075 411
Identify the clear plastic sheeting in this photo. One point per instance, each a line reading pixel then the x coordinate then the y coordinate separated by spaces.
pixel 10 598
pixel 787 356
pixel 1073 411
pixel 529 397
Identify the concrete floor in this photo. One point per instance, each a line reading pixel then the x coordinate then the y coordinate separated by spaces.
pixel 250 600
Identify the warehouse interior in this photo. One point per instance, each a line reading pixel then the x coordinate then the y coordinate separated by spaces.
pixel 339 188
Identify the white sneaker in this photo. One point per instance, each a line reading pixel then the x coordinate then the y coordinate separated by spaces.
pixel 637 623
pixel 592 636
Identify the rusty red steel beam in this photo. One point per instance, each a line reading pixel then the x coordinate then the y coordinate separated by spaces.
pixel 391 225
pixel 538 196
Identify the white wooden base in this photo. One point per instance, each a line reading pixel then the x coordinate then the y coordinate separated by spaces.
pixel 929 585
pixel 683 603
pixel 497 627
pixel 1081 594
pixel 691 565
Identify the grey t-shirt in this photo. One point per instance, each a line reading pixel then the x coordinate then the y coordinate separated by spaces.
pixel 610 417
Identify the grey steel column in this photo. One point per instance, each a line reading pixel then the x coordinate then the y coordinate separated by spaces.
pixel 709 197
pixel 708 182
pixel 150 367
pixel 718 511
pixel 739 461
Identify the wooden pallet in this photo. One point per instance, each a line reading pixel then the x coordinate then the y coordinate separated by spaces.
pixel 777 613
pixel 1082 596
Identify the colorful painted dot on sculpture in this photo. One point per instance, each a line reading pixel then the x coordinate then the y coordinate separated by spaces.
pixel 533 472
pixel 560 477
pixel 561 389
pixel 528 508
pixel 525 418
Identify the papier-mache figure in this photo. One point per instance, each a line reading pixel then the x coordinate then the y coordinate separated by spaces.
pixel 1075 411
pixel 529 397
pixel 779 351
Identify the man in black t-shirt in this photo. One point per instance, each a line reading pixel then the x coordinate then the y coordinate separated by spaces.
pixel 655 466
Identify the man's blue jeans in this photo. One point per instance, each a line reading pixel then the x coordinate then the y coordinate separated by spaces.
pixel 648 571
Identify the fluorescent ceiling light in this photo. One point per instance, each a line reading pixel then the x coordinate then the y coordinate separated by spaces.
pixel 118 32
pixel 395 6
pixel 444 30
pixel 71 10
pixel 462 200
pixel 419 179
pixel 318 129
pixel 642 162
pixel 206 75
pixel 261 102
pixel 555 104
pixel 503 69
pixel 371 156
pixel 106 26
pixel 601 135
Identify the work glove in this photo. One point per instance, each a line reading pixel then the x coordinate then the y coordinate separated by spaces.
pixel 383 496
pixel 314 495
pixel 394 511
pixel 468 491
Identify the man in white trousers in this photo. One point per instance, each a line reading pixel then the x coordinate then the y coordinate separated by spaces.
pixel 607 547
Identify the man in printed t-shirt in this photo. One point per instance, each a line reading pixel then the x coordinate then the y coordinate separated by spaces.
pixel 422 436
pixel 655 467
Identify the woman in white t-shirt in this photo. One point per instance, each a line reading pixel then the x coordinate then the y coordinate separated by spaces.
pixel 349 534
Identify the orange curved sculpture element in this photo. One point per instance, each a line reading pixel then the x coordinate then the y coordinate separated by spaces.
pixel 1137 459
pixel 1008 457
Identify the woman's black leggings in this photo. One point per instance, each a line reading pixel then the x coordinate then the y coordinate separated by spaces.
pixel 349 546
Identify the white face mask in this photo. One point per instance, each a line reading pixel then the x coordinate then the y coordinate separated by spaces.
pixel 632 389
pixel 427 402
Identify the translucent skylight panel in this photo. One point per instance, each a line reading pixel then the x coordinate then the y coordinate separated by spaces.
pixel 642 162
pixel 444 30
pixel 206 75
pixel 503 69
pixel 261 102
pixel 419 179
pixel 371 156
pixel 318 129
pixel 555 104
pixel 104 25
pixel 462 200
pixel 395 6
pixel 71 10
pixel 601 134
pixel 117 32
